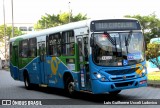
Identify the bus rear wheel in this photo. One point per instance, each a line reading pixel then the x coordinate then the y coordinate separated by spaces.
pixel 27 83
pixel 115 92
pixel 69 87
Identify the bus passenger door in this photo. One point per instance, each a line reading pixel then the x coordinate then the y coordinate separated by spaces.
pixel 84 72
pixel 42 59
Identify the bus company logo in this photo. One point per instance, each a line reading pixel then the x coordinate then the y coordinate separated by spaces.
pixel 6 102
pixel 54 65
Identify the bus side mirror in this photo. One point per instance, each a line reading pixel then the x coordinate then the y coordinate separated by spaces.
pixel 91 41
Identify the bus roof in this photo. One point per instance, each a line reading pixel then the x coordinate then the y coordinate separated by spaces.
pixel 66 27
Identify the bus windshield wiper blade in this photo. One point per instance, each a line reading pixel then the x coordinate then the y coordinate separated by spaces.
pixel 126 44
pixel 113 41
pixel 127 40
pixel 110 38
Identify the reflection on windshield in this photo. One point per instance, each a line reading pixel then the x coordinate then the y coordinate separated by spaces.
pixel 117 52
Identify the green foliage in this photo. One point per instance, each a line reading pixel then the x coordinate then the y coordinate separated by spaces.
pixel 150 25
pixel 153 53
pixel 48 20
pixel 8 32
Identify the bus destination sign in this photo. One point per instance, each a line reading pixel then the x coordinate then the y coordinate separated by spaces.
pixel 107 25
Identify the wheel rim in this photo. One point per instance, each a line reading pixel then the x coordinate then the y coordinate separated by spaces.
pixel 26 82
pixel 70 87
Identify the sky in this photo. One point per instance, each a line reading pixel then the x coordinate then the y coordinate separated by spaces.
pixel 30 11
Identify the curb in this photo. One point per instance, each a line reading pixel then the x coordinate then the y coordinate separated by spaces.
pixel 154 85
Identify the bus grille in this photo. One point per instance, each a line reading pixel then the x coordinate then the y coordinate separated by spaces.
pixel 122 72
pixel 124 84
pixel 122 77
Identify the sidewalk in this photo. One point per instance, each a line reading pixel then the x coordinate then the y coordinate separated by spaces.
pixel 152 69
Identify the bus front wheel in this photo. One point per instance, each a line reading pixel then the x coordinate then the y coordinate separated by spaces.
pixel 69 86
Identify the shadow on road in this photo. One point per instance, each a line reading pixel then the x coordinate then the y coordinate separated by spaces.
pixel 87 97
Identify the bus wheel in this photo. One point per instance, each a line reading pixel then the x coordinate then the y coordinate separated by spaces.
pixel 27 82
pixel 115 92
pixel 69 86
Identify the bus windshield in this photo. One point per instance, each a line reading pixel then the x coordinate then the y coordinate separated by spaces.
pixel 118 49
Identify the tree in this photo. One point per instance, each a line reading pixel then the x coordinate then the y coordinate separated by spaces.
pixel 48 20
pixel 4 39
pixel 8 32
pixel 151 29
pixel 150 25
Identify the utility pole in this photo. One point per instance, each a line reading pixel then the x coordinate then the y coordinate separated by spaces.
pixel 12 20
pixel 4 29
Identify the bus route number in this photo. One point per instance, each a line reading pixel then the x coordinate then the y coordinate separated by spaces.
pixel 106 57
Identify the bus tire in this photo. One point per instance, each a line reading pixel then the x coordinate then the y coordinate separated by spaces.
pixel 69 87
pixel 27 83
pixel 115 92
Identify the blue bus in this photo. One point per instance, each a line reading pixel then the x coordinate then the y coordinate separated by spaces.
pixel 96 56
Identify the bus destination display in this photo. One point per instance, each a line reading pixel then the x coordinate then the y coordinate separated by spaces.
pixel 114 25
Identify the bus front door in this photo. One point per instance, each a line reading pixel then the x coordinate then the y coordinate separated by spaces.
pixel 42 54
pixel 84 72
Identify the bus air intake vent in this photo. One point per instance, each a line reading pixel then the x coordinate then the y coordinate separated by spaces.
pixel 124 84
pixel 122 72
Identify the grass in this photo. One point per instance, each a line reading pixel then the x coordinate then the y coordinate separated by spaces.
pixel 154 78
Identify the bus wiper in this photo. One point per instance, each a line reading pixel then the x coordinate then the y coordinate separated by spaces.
pixel 127 40
pixel 113 41
pixel 110 38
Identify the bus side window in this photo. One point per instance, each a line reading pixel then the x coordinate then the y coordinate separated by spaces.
pixel 54 44
pixel 68 43
pixel 32 47
pixel 24 48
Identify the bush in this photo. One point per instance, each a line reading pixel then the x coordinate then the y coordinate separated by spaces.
pixel 153 53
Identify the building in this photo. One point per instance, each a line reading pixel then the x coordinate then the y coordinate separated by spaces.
pixel 24 27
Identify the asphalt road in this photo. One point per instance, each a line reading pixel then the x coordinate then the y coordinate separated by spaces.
pixel 11 89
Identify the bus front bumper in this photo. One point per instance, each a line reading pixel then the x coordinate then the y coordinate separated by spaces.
pixel 103 87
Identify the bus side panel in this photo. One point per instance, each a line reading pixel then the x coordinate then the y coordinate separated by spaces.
pixel 55 72
pixel 34 70
pixel 14 72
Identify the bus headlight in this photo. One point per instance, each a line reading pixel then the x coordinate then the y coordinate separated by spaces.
pixel 100 77
pixel 144 72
